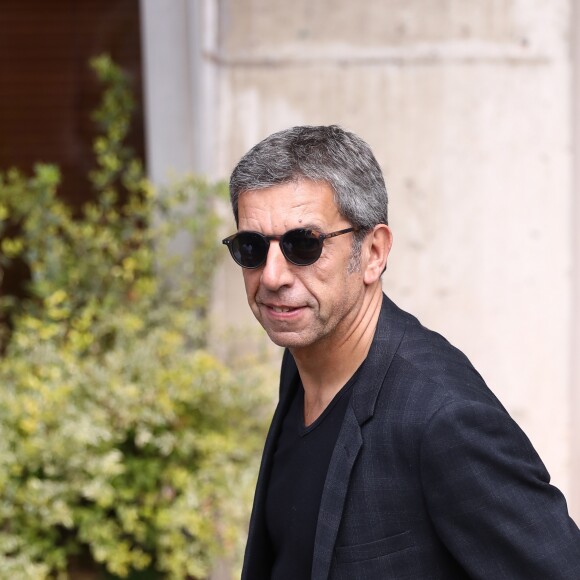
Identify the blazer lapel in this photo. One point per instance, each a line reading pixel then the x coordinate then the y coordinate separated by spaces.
pixel 388 335
pixel 344 455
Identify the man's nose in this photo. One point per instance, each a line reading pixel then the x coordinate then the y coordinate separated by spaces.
pixel 277 271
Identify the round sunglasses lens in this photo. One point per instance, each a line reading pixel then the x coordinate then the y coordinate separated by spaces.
pixel 301 247
pixel 249 250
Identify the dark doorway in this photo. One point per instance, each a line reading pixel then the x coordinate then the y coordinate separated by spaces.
pixel 47 91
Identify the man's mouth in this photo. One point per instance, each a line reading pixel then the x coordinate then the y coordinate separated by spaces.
pixel 282 308
pixel 279 310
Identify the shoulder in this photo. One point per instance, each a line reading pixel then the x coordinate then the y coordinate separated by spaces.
pixel 427 373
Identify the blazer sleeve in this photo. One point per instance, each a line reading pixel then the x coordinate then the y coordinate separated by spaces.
pixel 490 499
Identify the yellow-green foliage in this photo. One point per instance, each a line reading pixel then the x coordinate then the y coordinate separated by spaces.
pixel 122 439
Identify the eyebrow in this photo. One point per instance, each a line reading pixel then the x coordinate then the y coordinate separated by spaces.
pixel 309 226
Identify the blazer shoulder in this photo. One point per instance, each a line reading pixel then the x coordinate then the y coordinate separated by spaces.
pixel 428 366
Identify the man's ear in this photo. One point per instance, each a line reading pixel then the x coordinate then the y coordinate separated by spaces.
pixel 378 245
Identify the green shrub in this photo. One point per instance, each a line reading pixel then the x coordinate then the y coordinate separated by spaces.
pixel 123 440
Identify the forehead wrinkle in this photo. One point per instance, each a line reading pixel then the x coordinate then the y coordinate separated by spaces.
pixel 298 215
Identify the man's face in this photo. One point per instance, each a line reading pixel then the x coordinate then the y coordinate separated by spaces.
pixel 300 306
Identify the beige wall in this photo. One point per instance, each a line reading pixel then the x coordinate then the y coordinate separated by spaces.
pixel 468 106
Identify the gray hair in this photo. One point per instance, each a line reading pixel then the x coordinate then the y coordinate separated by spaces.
pixel 329 154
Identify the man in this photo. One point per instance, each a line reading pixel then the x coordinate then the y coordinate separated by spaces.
pixel 387 457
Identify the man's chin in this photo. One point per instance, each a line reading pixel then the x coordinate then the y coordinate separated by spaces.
pixel 288 339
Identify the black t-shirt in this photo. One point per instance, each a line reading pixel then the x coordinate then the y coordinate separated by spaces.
pixel 296 483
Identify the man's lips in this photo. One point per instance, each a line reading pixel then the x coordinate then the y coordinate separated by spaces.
pixel 281 308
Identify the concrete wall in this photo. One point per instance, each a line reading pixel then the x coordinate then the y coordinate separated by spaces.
pixel 468 105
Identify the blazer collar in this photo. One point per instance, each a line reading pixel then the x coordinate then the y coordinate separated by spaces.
pixel 388 335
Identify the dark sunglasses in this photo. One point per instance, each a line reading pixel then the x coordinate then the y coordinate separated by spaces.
pixel 301 246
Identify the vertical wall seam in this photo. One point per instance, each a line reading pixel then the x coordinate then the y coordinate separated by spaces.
pixel 192 98
pixel 575 267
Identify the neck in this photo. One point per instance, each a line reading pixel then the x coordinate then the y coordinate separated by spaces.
pixel 326 367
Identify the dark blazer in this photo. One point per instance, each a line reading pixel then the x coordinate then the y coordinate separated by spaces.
pixel 430 477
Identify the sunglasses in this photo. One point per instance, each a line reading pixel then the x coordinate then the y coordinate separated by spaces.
pixel 300 246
